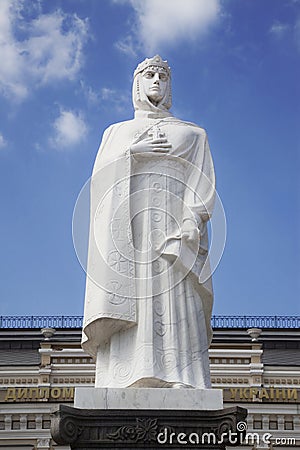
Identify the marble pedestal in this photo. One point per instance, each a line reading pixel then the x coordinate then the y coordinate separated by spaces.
pixel 147 398
pixel 148 419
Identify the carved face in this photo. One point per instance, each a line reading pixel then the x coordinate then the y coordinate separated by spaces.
pixel 155 80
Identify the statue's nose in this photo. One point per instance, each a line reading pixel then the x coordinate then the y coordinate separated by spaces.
pixel 156 78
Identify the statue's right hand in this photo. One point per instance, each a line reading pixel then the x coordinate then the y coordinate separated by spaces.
pixel 160 145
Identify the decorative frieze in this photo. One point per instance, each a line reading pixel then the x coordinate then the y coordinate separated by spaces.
pixel 71 360
pixel 218 381
pixel 230 360
pixel 72 380
pixel 280 381
pixel 21 421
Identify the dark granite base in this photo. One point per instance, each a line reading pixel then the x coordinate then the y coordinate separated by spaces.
pixel 87 429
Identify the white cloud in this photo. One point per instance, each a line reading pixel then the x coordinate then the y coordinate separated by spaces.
pixel 107 94
pixel 163 23
pixel 3 142
pixel 120 101
pixel 287 31
pixel 107 97
pixel 50 49
pixel 278 29
pixel 126 46
pixel 93 97
pixel 69 130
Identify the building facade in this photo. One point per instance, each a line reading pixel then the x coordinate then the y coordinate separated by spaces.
pixel 256 361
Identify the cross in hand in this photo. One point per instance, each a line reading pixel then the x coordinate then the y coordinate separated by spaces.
pixel 156 132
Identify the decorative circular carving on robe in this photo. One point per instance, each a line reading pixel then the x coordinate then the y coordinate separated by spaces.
pixel 156 216
pixel 113 287
pixel 158 266
pixel 160 328
pixel 159 306
pixel 157 187
pixel 169 360
pixel 122 370
pixel 117 261
pixel 156 201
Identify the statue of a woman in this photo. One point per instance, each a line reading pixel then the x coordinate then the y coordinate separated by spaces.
pixel 148 292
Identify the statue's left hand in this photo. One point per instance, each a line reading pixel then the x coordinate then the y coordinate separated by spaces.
pixel 190 231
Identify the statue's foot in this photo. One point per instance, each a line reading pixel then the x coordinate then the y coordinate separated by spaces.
pixel 181 386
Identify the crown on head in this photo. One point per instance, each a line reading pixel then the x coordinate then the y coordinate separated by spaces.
pixel 156 61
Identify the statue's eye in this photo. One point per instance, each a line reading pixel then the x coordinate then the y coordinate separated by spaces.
pixel 149 75
pixel 163 76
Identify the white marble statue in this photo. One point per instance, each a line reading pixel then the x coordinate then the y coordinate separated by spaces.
pixel 148 290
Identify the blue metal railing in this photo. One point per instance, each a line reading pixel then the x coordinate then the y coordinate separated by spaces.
pixel 40 321
pixel 216 321
pixel 255 321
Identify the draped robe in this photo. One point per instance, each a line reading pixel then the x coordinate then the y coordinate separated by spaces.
pixel 148 291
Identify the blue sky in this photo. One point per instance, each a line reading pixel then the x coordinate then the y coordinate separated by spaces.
pixel 65 75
